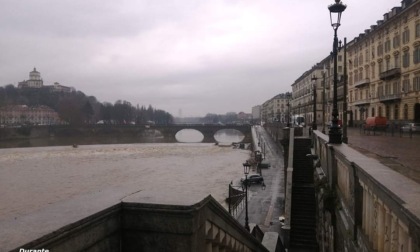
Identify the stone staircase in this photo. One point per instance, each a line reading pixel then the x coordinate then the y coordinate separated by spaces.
pixel 303 212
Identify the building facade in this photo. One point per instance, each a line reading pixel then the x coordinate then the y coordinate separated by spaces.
pixel 57 87
pixel 22 114
pixel 384 67
pixel 314 88
pixel 378 74
pixel 275 109
pixel 256 114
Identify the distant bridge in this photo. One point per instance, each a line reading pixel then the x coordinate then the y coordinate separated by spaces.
pixel 208 130
pixel 168 132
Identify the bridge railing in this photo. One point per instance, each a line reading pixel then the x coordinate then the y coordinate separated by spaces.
pixel 235 200
pixel 363 205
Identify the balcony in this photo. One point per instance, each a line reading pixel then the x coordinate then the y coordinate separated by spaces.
pixel 390 97
pixel 391 73
pixel 361 102
pixel 361 83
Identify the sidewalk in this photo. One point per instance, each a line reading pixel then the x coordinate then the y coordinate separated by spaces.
pixel 400 153
pixel 266 206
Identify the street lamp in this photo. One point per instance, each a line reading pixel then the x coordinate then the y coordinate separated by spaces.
pixel 288 108
pixel 247 166
pixel 314 127
pixel 323 101
pixel 335 16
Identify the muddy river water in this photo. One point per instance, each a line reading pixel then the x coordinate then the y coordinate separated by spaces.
pixel 34 178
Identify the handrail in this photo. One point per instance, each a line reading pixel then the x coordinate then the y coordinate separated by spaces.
pixel 375 206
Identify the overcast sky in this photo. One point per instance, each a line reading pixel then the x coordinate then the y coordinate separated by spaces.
pixel 188 57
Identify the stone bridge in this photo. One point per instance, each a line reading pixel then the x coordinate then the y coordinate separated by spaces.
pixel 168 132
pixel 208 131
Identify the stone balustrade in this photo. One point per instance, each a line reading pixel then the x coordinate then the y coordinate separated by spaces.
pixel 363 205
pixel 136 225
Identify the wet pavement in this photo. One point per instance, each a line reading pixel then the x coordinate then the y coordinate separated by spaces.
pixel 266 206
pixel 399 152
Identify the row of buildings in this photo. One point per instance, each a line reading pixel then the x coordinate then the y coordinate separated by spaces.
pixel 380 70
pixel 39 115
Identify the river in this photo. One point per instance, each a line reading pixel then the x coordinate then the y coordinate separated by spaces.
pixel 35 178
pixel 183 136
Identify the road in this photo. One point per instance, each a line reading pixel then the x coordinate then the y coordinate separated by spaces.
pixel 266 206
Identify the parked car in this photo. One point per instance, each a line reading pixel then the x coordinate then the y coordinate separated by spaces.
pixel 340 124
pixel 415 127
pixel 253 178
pixel 264 165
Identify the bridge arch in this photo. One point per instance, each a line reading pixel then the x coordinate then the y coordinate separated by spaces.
pixel 208 131
pixel 229 135
pixel 189 136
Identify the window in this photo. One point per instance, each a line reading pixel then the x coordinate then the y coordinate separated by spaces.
pixel 397 61
pixel 417 30
pixel 387 89
pixel 406 59
pixel 387 64
pixel 380 90
pixel 380 67
pixel 396 112
pixel 416 55
pixel 396 41
pixel 406 36
pixel 373 71
pixel 406 85
pixel 387 45
pixel 380 50
pixel 396 87
pixel 416 83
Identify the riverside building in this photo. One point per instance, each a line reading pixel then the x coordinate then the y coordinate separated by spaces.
pixel 383 74
pixel 384 67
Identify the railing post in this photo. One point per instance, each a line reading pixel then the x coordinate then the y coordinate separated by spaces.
pixel 288 197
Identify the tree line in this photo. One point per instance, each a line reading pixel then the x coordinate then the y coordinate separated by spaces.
pixel 77 108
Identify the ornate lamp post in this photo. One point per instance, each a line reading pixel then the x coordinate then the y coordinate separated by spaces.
pixel 323 101
pixel 288 95
pixel 247 166
pixel 314 127
pixel 335 16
